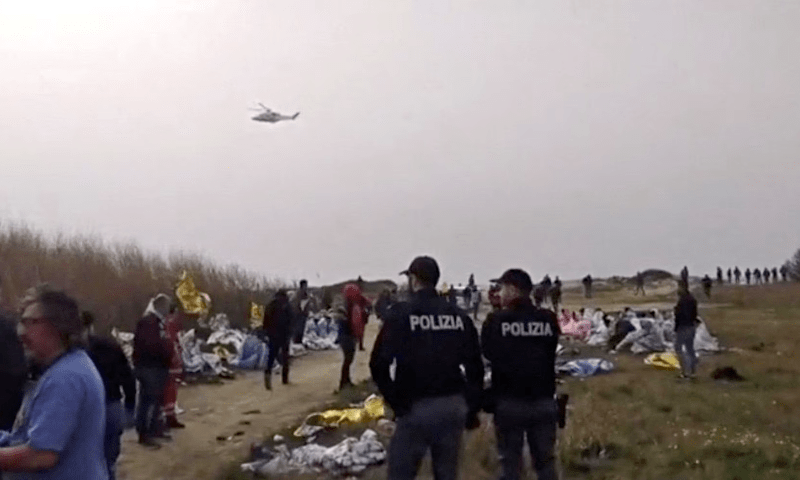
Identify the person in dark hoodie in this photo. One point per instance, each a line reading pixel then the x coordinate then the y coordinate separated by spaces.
pixel 114 369
pixel 278 318
pixel 520 344
pixel 13 368
pixel 685 326
pixel 152 356
pixel 436 389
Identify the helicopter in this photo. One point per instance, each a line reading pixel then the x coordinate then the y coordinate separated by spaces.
pixel 268 115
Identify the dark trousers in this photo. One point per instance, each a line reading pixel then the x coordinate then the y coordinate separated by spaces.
pixel 537 420
pixel 12 389
pixel 279 349
pixel 348 344
pixel 151 395
pixel 115 424
pixel 435 423
pixel 298 329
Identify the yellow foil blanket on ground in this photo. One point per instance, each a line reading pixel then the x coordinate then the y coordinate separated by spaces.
pixel 665 360
pixel 373 409
pixel 191 299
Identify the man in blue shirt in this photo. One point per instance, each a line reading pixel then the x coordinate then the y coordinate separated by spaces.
pixel 58 433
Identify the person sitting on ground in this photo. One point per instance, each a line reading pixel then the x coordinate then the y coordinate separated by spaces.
pixel 59 431
pixel 278 319
pixel 114 369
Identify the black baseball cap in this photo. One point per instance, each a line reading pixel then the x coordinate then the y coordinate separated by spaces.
pixel 425 268
pixel 516 277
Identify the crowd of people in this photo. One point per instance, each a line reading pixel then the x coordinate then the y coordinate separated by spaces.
pixel 69 394
pixel 64 407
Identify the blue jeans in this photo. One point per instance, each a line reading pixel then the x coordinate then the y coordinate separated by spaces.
pixel 535 419
pixel 151 394
pixel 115 424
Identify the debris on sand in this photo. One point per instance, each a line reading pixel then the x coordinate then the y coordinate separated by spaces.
pixel 727 374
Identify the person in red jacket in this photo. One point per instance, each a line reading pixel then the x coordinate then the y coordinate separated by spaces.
pixel 152 356
pixel 173 327
pixel 351 329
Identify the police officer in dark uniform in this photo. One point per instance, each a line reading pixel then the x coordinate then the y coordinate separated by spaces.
pixel 520 344
pixel 431 340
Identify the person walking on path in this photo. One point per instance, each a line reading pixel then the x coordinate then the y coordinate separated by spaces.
pixel 639 284
pixel 707 284
pixel 59 432
pixel 430 341
pixel 300 304
pixel 520 343
pixel 555 294
pixel 152 357
pixel 118 378
pixel 351 330
pixel 278 319
pixel 685 326
pixel 587 286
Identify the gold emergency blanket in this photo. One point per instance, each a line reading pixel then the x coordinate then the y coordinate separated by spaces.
pixel 372 409
pixel 191 299
pixel 665 360
pixel 256 315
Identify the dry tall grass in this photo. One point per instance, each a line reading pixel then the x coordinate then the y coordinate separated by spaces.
pixel 115 281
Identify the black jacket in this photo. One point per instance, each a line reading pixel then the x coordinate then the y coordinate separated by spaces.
pixel 278 319
pixel 151 347
pixel 520 344
pixel 431 340
pixel 686 311
pixel 114 369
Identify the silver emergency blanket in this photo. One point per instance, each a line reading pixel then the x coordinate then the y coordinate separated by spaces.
pixel 653 331
pixel 350 457
pixel 235 348
pixel 585 367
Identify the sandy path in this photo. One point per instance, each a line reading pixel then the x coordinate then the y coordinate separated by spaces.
pixel 214 410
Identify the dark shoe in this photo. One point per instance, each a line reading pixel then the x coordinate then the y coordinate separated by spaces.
pixel 149 443
pixel 268 380
pixel 173 422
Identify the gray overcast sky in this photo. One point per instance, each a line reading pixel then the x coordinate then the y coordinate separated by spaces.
pixel 564 137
